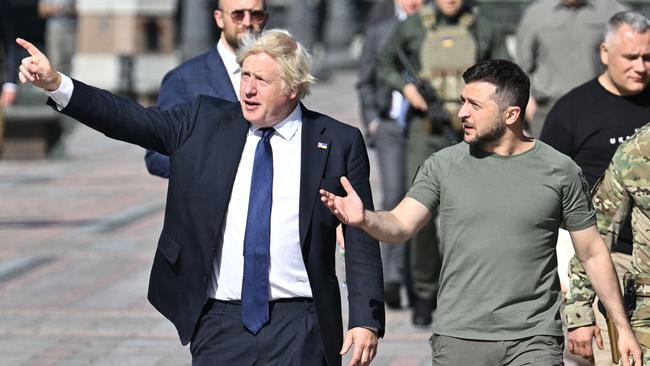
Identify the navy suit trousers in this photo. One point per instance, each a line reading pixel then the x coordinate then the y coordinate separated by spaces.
pixel 291 337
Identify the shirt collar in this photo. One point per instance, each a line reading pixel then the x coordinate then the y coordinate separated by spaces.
pixel 228 57
pixel 288 127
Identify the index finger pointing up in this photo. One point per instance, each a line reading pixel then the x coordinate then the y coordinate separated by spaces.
pixel 28 46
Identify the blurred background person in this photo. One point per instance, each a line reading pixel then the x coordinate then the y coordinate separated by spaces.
pixel 17 18
pixel 440 41
pixel 380 107
pixel 557 45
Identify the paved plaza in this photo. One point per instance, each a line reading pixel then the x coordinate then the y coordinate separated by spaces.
pixel 77 239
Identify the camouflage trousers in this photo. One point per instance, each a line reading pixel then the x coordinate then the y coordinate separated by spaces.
pixel 641 324
pixel 641 318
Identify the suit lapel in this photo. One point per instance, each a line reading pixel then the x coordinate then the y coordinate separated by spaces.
pixel 219 79
pixel 229 144
pixel 314 150
pixel 315 145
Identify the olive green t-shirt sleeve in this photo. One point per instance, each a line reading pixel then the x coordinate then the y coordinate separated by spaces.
pixel 426 185
pixel 577 210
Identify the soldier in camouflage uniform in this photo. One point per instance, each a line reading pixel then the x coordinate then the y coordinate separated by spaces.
pixel 625 185
pixel 440 42
pixel 588 124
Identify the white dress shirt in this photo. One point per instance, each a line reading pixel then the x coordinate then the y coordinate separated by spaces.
pixel 232 67
pixel 288 275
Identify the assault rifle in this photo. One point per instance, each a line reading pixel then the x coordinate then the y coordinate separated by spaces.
pixel 436 112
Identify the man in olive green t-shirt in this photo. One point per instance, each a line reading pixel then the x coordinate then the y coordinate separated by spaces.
pixel 501 197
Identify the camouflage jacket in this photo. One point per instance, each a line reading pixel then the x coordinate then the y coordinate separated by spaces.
pixel 626 184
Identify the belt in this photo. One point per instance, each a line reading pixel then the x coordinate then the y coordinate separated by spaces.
pixel 278 301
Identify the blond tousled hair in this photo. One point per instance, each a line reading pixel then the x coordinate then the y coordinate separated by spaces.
pixel 291 56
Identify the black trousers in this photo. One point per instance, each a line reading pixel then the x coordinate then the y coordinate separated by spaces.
pixel 291 337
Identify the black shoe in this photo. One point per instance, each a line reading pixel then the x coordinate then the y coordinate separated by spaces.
pixel 422 313
pixel 392 296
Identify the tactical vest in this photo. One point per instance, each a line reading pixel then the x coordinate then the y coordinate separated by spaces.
pixel 446 52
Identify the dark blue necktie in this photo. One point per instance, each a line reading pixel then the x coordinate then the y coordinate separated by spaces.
pixel 257 239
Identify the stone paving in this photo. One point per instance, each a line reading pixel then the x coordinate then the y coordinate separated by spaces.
pixel 77 238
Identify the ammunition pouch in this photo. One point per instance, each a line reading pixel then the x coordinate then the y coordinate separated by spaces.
pixel 445 53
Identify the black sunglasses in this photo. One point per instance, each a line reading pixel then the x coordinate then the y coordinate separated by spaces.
pixel 237 15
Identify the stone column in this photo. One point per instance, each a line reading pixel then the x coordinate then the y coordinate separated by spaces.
pixel 197 27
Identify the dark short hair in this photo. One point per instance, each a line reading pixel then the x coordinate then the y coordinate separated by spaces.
pixel 512 83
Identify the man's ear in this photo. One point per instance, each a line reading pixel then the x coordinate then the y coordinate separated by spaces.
pixel 511 114
pixel 218 18
pixel 604 54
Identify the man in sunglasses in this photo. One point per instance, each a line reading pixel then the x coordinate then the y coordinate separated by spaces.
pixel 215 73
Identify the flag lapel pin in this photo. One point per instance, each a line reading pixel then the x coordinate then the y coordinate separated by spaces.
pixel 322 145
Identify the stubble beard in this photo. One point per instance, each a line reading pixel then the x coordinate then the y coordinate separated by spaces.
pixel 493 134
pixel 235 40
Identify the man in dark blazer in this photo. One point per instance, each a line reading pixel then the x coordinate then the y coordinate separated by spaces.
pixel 215 73
pixel 197 280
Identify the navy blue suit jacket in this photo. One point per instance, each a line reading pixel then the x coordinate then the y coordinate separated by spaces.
pixel 202 75
pixel 205 140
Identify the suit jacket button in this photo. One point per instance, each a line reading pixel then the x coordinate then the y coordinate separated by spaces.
pixel 204 278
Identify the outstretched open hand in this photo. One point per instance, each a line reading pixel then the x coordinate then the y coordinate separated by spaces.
pixel 36 68
pixel 349 210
